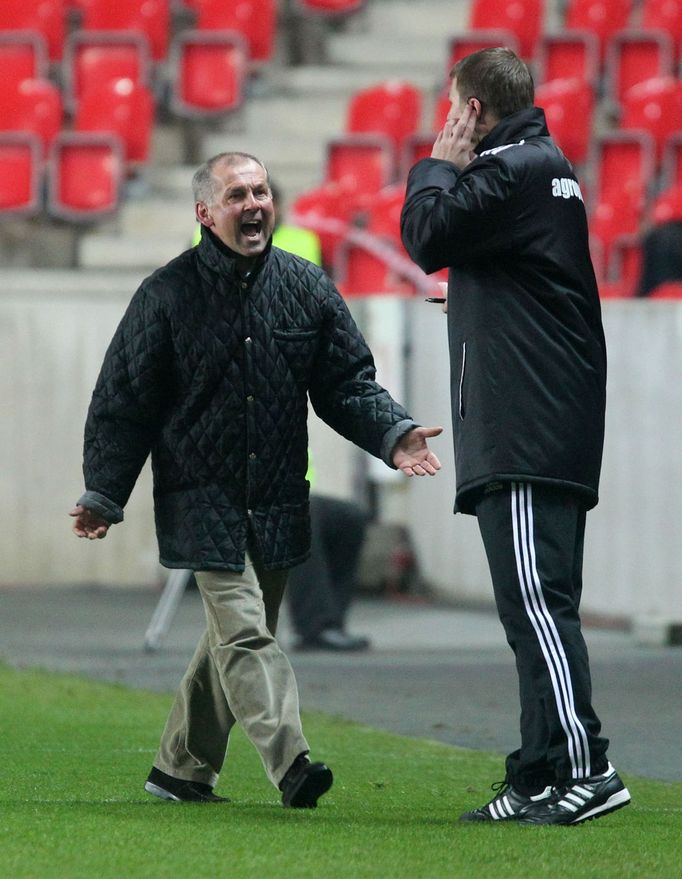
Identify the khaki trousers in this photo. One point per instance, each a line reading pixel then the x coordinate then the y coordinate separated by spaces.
pixel 238 674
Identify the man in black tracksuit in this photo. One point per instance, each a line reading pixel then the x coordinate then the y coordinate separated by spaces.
pixel 210 371
pixel 500 205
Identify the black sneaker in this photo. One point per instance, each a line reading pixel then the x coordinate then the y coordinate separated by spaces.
pixel 507 805
pixel 166 787
pixel 304 783
pixel 581 801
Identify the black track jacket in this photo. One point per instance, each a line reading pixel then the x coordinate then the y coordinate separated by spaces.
pixel 210 372
pixel 527 350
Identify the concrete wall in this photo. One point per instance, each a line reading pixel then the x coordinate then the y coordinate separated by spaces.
pixel 54 329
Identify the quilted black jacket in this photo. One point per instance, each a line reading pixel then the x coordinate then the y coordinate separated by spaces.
pixel 210 371
pixel 527 350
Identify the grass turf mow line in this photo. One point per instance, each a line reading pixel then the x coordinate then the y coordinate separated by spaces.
pixel 75 755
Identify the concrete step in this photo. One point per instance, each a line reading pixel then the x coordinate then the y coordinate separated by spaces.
pixel 153 216
pixel 425 18
pixel 138 251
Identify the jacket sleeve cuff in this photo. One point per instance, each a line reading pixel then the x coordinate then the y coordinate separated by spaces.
pixel 101 505
pixel 392 436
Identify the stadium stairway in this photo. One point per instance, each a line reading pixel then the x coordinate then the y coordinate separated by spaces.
pixel 288 117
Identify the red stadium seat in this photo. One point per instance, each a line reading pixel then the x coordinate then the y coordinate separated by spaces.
pixel 668 206
pixel 624 163
pixel 85 174
pixel 461 45
pixel 209 73
pixel 95 57
pixel 414 149
pixel 392 108
pixel 150 18
pixel 614 217
pixel 124 108
pixel 569 107
pixel 668 290
pixel 655 106
pixel 329 7
pixel 35 106
pixel 326 210
pixel 362 164
pixel 524 18
pixel 46 17
pixel 568 54
pixel 20 172
pixel 255 20
pixel 634 56
pixel 601 17
pixel 666 16
pixel 23 55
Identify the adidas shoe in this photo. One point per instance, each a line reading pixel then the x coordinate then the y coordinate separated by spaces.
pixel 166 787
pixel 507 805
pixel 581 801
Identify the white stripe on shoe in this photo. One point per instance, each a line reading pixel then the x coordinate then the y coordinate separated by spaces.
pixel 545 628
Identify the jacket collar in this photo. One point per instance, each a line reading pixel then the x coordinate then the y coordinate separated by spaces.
pixel 222 259
pixel 514 128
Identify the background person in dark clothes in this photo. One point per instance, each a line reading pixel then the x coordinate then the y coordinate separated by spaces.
pixel 499 205
pixel 319 591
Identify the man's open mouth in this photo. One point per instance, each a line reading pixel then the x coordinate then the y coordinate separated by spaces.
pixel 252 228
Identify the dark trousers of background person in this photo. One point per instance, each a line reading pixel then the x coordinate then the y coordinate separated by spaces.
pixel 533 537
pixel 320 590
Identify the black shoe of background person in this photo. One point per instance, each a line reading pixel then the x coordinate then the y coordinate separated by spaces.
pixel 333 639
pixel 508 804
pixel 304 783
pixel 580 800
pixel 166 787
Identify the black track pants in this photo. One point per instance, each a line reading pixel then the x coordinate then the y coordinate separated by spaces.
pixel 533 537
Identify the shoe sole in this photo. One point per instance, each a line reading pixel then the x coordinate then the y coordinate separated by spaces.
pixel 164 794
pixel 616 801
pixel 311 787
pixel 160 792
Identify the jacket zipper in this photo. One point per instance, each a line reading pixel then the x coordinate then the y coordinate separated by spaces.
pixel 461 381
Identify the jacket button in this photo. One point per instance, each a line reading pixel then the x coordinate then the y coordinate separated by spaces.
pixel 250 398
pixel 252 456
pixel 248 340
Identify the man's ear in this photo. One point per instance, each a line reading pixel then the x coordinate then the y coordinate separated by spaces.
pixel 476 104
pixel 203 214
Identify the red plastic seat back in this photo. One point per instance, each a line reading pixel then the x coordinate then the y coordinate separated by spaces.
pixel 23 55
pixel 524 18
pixel 326 210
pixel 361 163
pixel 568 54
pixel 86 170
pixel 121 106
pixel 635 56
pixel 624 163
pixel 392 108
pixel 150 18
pixel 569 107
pixel 255 20
pixel 33 105
pixel 654 106
pixel 46 17
pixel 210 71
pixel 601 17
pixel 20 164
pixel 95 57
pixel 663 15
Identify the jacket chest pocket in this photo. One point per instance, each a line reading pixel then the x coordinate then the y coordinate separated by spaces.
pixel 298 348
